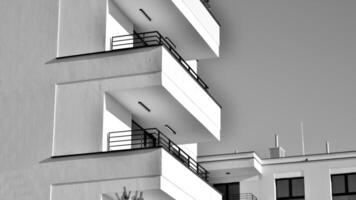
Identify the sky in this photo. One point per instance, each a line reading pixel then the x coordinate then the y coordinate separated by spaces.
pixel 284 62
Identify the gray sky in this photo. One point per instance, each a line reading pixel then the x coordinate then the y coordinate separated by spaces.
pixel 283 62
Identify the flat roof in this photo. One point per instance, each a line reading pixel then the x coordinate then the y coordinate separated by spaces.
pixel 282 160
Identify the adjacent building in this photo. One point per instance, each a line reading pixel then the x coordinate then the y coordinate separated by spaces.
pixel 245 175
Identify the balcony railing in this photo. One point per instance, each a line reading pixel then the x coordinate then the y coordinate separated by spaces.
pixel 244 196
pixel 153 138
pixel 154 38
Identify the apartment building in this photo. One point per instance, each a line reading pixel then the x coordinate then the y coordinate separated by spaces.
pixel 245 175
pixel 97 95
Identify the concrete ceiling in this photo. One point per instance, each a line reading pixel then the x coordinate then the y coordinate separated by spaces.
pixel 170 22
pixel 164 110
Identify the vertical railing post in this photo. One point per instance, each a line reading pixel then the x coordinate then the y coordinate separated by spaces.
pixel 169 146
pixel 145 139
pixel 158 138
pixel 160 39
pixel 108 142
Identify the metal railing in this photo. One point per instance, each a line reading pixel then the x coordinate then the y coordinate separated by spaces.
pixel 244 196
pixel 153 138
pixel 154 38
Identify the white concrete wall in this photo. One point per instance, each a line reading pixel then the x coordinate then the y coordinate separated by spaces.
pixel 193 64
pixel 116 24
pixel 189 93
pixel 191 149
pixel 81 27
pixel 115 118
pixel 87 26
pixel 78 118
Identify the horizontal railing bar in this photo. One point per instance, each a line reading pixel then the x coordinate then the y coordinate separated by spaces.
pixel 122 136
pixel 136 130
pixel 133 41
pixel 149 32
pixel 136 38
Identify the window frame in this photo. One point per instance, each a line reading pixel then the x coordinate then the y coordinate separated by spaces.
pixel 290 180
pixel 346 182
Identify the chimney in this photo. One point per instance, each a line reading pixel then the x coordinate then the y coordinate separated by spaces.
pixel 276 151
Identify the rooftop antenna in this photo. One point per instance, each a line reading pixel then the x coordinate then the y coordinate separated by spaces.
pixel 276 141
pixel 235 151
pixel 327 146
pixel 302 134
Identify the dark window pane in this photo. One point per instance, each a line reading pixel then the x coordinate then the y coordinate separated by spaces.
pixel 298 187
pixel 338 184
pixel 233 191
pixel 282 188
pixel 345 197
pixel 222 189
pixel 352 182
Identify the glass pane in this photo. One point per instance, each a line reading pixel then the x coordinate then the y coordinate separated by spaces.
pixel 233 191
pixel 338 184
pixel 222 189
pixel 298 187
pixel 345 197
pixel 352 182
pixel 282 188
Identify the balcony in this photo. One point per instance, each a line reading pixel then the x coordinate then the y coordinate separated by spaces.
pixel 144 160
pixel 153 138
pixel 154 38
pixel 241 166
pixel 146 77
pixel 190 24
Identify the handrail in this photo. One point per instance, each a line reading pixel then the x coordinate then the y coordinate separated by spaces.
pixel 244 196
pixel 154 38
pixel 149 138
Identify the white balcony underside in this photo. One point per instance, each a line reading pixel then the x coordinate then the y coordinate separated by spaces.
pixel 231 167
pixel 154 172
pixel 186 22
pixel 175 99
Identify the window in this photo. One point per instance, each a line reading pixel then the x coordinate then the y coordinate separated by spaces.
pixel 344 186
pixel 229 191
pixel 290 188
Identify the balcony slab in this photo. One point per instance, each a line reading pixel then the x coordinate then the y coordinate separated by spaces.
pixel 187 23
pixel 152 171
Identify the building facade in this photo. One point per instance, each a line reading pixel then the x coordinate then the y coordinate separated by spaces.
pixel 97 95
pixel 329 176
